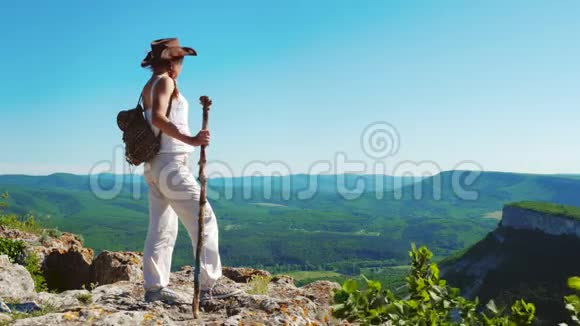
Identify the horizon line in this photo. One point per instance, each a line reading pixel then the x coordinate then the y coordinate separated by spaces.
pixel 307 174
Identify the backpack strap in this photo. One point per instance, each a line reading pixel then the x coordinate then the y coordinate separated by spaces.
pixel 153 88
pixel 139 101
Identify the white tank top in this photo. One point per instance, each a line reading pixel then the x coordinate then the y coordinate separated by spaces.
pixel 179 117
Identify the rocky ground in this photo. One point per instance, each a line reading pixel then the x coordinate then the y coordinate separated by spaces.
pixel 119 300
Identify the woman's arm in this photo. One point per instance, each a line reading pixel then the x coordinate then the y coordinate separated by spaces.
pixel 161 95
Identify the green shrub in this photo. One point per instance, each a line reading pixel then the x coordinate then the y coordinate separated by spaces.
pixel 25 223
pixel 4 198
pixel 430 301
pixel 49 233
pixel 32 264
pixel 55 233
pixel 573 301
pixel 16 252
pixel 85 298
pixel 43 237
pixel 14 249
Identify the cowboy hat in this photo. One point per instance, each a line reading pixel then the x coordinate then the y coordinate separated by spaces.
pixel 166 49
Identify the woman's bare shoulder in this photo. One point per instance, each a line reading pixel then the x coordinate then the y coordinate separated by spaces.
pixel 162 87
pixel 165 85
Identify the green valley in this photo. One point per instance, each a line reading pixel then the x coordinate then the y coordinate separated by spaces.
pixel 325 232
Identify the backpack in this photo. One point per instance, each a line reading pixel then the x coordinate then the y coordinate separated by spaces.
pixel 141 144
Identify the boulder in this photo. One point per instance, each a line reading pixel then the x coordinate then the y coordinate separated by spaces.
pixel 242 274
pixel 112 266
pixel 16 284
pixel 17 235
pixel 64 261
pixel 321 292
pixel 283 279
pixel 4 318
pixel 67 263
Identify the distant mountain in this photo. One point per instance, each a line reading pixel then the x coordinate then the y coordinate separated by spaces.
pixel 295 182
pixel 69 181
pixel 531 254
pixel 573 176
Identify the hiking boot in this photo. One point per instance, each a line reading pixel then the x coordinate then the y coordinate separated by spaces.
pixel 164 294
pixel 220 290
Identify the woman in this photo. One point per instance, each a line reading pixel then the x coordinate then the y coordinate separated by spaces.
pixel 173 191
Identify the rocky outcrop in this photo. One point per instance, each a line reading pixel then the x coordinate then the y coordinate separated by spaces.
pixel 112 266
pixel 122 303
pixel 16 284
pixel 7 233
pixel 243 275
pixel 67 263
pixel 119 297
pixel 526 219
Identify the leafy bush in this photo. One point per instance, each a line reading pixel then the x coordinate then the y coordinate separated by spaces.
pixel 573 301
pixel 14 249
pixel 4 197
pixel 430 302
pixel 81 238
pixel 54 233
pixel 49 233
pixel 16 252
pixel 26 223
pixel 85 298
pixel 32 264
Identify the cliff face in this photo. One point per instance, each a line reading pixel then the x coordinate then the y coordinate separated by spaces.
pixel 526 219
pixel 530 255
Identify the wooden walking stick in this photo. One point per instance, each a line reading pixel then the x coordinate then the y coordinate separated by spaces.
pixel 206 103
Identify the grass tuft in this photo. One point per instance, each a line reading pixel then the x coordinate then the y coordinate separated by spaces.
pixel 259 284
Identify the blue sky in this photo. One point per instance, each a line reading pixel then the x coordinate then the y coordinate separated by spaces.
pixel 493 82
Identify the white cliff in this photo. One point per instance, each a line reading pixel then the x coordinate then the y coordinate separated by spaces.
pixel 527 219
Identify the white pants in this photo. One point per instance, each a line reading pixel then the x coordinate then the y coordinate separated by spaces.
pixel 173 192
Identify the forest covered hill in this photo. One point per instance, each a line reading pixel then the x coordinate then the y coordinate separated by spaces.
pixel 324 233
